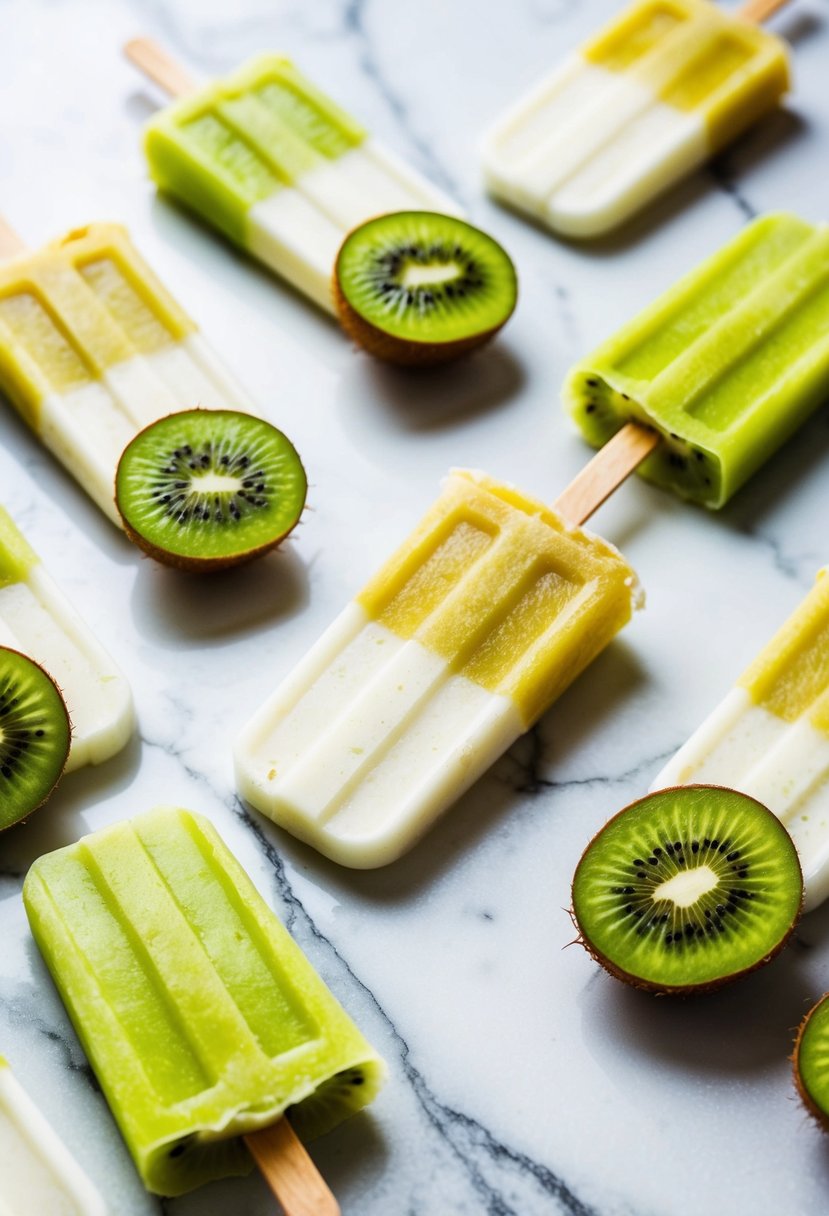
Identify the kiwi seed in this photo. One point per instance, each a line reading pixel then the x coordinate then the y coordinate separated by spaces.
pixel 202 490
pixel 420 288
pixel 601 408
pixel 34 736
pixel 688 889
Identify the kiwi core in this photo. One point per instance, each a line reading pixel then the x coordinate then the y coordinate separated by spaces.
pixel 686 887
pixel 414 275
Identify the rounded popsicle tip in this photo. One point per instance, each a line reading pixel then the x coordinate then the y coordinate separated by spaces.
pixel 203 490
pixel 419 288
pixel 688 889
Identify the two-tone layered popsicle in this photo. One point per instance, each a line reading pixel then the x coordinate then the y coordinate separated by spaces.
pixel 38 1175
pixel 202 1019
pixel 724 366
pixel 279 168
pixel 662 88
pixel 93 348
pixel 770 736
pixel 36 619
pixel 454 649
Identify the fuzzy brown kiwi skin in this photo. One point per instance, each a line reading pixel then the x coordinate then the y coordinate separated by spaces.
pixel 198 565
pixel 54 784
pixel 643 985
pixel 806 1098
pixel 400 351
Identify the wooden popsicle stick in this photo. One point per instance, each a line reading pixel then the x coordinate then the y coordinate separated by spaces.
pixel 10 242
pixel 760 10
pixel 151 59
pixel 611 465
pixel 290 1172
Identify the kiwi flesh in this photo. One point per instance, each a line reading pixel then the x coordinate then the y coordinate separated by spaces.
pixel 600 409
pixel 35 734
pixel 420 288
pixel 336 1098
pixel 180 1164
pixel 687 889
pixel 811 1061
pixel 202 490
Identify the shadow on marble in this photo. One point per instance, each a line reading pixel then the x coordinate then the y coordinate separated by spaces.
pixel 804 453
pixel 799 27
pixel 528 768
pixel 428 399
pixel 61 820
pixel 141 106
pixel 177 610
pixel 706 1034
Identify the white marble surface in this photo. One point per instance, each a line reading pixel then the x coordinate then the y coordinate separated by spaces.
pixel 523 1081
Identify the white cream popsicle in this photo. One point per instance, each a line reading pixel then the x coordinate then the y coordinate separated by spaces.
pixel 38 1175
pixel 460 642
pixel 770 737
pixel 36 619
pixel 655 94
pixel 93 348
pixel 280 169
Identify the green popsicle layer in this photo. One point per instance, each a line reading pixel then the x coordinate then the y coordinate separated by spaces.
pixel 200 1016
pixel 726 364
pixel 242 138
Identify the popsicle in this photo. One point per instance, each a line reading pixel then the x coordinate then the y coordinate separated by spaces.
pixel 38 1175
pixel 724 366
pixel 770 736
pixel 202 1019
pixel 93 348
pixel 36 619
pixel 455 648
pixel 276 165
pixel 662 88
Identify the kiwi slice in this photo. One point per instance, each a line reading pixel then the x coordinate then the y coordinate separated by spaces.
pixel 34 736
pixel 688 889
pixel 811 1061
pixel 207 489
pixel 417 287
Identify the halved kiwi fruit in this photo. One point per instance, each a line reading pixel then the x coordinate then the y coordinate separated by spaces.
pixel 419 288
pixel 34 736
pixel 811 1061
pixel 206 489
pixel 688 889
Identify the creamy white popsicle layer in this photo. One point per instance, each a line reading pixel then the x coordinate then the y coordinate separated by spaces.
pixel 460 642
pixel 664 87
pixel 770 737
pixel 93 348
pixel 36 619
pixel 281 169
pixel 38 1175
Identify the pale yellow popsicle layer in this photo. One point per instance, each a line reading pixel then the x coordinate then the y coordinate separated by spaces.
pixel 76 308
pixel 695 56
pixel 502 589
pixel 791 675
